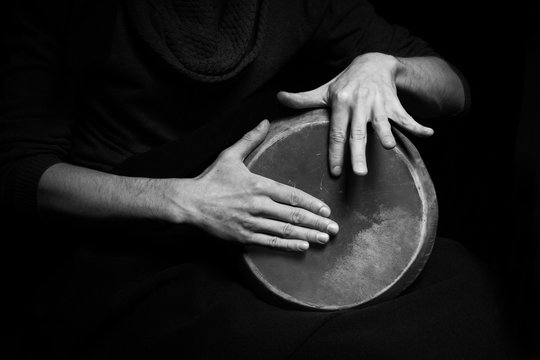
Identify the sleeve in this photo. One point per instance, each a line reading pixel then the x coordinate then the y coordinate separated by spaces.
pixel 352 27
pixel 34 107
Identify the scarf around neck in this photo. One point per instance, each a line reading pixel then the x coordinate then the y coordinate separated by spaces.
pixel 206 40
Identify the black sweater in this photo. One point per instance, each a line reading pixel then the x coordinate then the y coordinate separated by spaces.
pixel 96 82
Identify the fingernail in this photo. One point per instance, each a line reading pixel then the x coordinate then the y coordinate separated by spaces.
pixel 322 237
pixel 333 228
pixel 304 246
pixel 325 211
pixel 360 171
pixel 336 170
pixel 261 124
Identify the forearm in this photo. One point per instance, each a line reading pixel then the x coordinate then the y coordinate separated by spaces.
pixel 429 87
pixel 226 200
pixel 86 193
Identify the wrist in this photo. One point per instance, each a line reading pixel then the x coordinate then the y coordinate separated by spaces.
pixel 179 200
pixel 383 63
pixel 401 73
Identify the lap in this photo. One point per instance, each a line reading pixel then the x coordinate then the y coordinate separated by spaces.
pixel 202 309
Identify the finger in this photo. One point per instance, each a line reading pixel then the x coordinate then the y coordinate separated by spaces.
pixel 381 125
pixel 358 138
pixel 338 134
pixel 405 120
pixel 292 196
pixel 298 216
pixel 303 100
pixel 287 230
pixel 279 243
pixel 250 140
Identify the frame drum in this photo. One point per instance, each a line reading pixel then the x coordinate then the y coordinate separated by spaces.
pixel 387 218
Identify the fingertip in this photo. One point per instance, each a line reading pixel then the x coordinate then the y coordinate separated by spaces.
pixel 283 96
pixel 303 246
pixel 360 170
pixel 323 238
pixel 333 228
pixel 425 131
pixel 336 170
pixel 263 127
pixel 388 143
pixel 264 123
pixel 325 211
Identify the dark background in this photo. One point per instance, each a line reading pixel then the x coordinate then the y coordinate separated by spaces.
pixel 484 165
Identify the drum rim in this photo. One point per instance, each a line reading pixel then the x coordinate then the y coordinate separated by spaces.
pixel 287 126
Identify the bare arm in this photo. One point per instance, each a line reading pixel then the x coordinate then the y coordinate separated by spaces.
pixel 429 87
pixel 226 200
pixel 367 91
pixel 87 193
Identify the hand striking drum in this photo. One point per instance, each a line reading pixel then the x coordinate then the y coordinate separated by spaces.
pixel 387 219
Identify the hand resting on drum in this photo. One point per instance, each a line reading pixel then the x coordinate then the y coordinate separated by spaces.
pixel 227 200
pixel 232 203
pixel 367 91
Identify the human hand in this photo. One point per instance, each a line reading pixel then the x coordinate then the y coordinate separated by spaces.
pixel 230 202
pixel 364 92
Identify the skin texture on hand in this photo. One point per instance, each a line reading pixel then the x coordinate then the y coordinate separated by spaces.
pixel 227 200
pixel 232 203
pixel 367 91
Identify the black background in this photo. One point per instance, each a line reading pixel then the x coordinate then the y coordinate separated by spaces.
pixel 485 165
pixel 486 179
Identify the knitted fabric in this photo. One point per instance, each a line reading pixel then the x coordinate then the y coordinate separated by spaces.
pixel 206 40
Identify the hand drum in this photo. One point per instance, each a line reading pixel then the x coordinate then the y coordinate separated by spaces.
pixel 387 218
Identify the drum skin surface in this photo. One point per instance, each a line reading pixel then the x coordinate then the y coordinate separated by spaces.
pixel 387 218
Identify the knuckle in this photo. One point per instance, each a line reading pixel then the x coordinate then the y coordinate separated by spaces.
pixel 311 235
pixel 337 136
pixel 358 134
pixel 226 154
pixel 336 157
pixel 343 96
pixel 362 92
pixel 405 120
pixel 321 225
pixel 297 217
pixel 379 119
pixel 249 136
pixel 253 204
pixel 273 241
pixel 287 230
pixel 257 186
pixel 246 237
pixel 294 197
pixel 247 225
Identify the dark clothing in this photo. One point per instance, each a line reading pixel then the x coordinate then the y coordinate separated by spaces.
pixel 111 305
pixel 94 84
pixel 99 84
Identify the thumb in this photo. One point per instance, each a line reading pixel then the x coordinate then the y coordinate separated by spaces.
pixel 250 140
pixel 303 100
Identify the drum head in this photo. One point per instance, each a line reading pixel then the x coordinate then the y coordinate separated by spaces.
pixel 387 218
